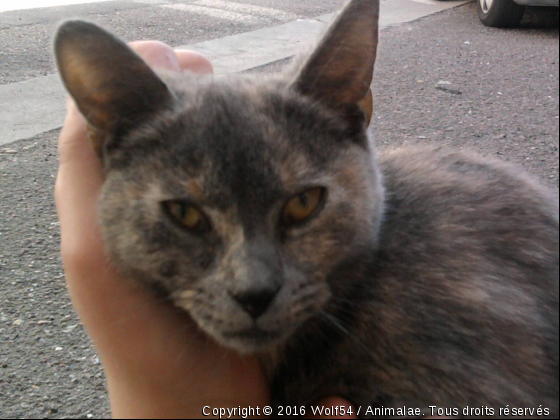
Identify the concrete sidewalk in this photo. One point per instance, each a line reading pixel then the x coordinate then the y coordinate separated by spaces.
pixel 38 105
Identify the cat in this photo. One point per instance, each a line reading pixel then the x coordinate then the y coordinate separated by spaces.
pixel 260 206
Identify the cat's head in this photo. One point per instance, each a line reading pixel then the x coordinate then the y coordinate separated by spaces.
pixel 238 196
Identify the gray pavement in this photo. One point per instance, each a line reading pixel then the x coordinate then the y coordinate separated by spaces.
pixel 500 97
pixel 25 50
pixel 25 36
pixel 34 106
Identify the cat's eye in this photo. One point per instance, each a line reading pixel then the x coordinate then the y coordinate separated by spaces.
pixel 187 215
pixel 304 205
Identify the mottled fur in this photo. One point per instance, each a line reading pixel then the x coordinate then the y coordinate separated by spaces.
pixel 429 277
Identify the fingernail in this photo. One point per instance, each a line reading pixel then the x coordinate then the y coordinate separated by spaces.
pixel 194 61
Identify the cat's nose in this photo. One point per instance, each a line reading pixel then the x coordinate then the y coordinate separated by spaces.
pixel 256 302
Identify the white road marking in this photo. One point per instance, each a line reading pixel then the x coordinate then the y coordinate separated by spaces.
pixel 214 13
pixel 154 2
pixel 426 1
pixel 249 9
pixel 9 5
pixel 230 10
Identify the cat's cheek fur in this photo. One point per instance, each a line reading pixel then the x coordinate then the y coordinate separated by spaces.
pixel 351 217
pixel 139 238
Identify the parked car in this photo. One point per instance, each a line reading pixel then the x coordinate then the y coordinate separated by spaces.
pixel 507 13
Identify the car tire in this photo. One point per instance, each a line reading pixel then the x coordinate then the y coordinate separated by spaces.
pixel 500 13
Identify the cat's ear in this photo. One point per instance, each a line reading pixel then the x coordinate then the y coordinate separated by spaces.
pixel 112 86
pixel 340 71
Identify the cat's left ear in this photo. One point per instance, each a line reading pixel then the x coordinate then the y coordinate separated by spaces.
pixel 340 71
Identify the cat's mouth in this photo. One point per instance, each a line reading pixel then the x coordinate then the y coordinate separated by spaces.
pixel 252 334
pixel 253 340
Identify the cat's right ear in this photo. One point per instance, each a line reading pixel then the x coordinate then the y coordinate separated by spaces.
pixel 114 89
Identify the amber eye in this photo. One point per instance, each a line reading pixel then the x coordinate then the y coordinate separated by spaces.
pixel 303 206
pixel 187 215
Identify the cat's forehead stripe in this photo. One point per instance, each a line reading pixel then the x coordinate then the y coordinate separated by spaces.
pixel 195 189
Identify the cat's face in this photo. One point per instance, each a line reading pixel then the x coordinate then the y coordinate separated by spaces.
pixel 238 196
pixel 241 207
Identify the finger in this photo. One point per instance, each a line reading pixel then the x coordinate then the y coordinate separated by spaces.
pixel 156 54
pixel 340 409
pixel 79 180
pixel 73 130
pixel 195 62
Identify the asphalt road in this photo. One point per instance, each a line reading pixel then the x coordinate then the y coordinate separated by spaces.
pixel 25 38
pixel 500 96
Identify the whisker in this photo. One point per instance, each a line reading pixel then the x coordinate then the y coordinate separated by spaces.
pixel 336 322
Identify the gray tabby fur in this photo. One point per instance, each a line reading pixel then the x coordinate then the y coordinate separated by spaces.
pixel 429 277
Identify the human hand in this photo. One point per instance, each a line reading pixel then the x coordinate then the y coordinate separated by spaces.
pixel 157 364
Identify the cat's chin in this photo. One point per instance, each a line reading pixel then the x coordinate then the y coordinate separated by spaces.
pixel 252 341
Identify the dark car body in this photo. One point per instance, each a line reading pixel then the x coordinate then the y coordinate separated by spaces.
pixel 539 2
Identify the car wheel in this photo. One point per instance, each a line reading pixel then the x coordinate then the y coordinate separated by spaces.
pixel 500 13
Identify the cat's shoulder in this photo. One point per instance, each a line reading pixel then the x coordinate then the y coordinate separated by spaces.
pixel 436 193
pixel 461 176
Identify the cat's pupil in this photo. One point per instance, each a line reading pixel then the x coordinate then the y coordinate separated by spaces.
pixel 304 199
pixel 182 211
